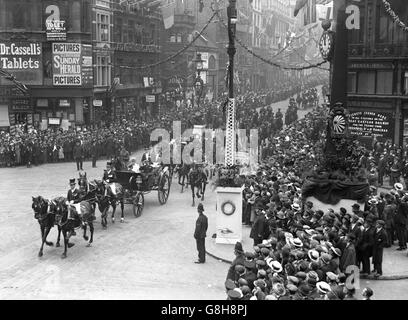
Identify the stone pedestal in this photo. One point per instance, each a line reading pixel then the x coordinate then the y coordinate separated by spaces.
pixel 229 215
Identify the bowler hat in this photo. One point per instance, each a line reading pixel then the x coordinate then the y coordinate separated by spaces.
pixel 71 181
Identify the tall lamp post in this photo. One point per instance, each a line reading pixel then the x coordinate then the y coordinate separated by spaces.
pixel 230 121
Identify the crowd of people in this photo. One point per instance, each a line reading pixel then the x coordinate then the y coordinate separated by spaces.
pixel 301 252
pixel 35 147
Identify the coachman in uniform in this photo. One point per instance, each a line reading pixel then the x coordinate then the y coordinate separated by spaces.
pixel 73 196
pixel 109 175
pixel 200 233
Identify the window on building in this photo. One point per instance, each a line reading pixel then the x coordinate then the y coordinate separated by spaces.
pixel 387 30
pixel 384 82
pixel 75 16
pixel 103 71
pixel 102 27
pixel 352 82
pixel 179 38
pixel 19 14
pixel 405 86
pixel 172 38
pixel 131 31
pixel 118 30
pixel 366 82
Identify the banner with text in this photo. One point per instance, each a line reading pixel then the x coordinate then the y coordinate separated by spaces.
pixel 72 64
pixel 23 60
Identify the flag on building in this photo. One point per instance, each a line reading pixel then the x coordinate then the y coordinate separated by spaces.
pixel 167 9
pixel 324 11
pixel 299 5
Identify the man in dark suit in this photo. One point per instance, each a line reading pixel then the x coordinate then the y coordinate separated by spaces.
pixel 239 260
pixel 109 175
pixel 380 240
pixel 78 155
pixel 73 196
pixel 200 233
pixel 73 192
pixel 259 228
pixel 400 220
pixel 366 245
pixel 94 153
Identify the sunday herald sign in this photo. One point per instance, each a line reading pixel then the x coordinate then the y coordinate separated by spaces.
pixel 71 64
pixel 22 59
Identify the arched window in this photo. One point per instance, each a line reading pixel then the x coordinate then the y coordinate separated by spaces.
pixel 211 62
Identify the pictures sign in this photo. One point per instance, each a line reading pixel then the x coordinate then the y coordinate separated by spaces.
pixel 72 64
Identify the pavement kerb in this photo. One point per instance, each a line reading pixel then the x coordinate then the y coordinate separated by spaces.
pixel 390 277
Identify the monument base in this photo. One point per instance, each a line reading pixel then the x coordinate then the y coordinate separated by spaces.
pixel 229 215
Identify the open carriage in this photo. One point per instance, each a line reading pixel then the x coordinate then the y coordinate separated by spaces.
pixel 143 180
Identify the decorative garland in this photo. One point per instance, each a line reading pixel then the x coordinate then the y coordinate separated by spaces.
pixel 267 61
pixel 232 208
pixel 198 35
pixel 394 16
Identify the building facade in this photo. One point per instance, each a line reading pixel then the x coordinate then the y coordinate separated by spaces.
pixel 122 86
pixel 47 46
pixel 378 74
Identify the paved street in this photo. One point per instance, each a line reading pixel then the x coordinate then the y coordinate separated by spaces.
pixel 146 258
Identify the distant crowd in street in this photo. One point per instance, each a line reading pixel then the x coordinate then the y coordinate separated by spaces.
pixel 37 147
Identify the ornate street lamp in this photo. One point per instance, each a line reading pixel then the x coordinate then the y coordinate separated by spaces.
pixel 230 121
pixel 198 82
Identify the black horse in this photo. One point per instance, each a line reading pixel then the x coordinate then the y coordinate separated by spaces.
pixel 198 182
pixel 81 219
pixel 106 198
pixel 45 218
pixel 183 175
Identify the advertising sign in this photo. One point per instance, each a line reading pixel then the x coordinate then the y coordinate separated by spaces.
pixel 56 30
pixel 20 105
pixel 72 64
pixel 150 98
pixel 23 60
pixel 368 124
pixel 55 25
pixel 204 57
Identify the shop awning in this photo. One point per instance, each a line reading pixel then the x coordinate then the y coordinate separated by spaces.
pixel 4 116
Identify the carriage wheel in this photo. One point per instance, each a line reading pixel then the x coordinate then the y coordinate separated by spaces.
pixel 164 189
pixel 138 204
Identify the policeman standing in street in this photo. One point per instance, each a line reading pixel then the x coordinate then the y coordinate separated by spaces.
pixel 200 233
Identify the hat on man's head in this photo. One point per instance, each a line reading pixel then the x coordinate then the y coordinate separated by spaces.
pixel 229 284
pixel 356 206
pixel 323 287
pixel 71 181
pixel 313 255
pixel 200 207
pixel 381 223
pixel 398 186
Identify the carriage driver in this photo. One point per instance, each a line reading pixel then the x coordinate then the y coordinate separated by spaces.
pixel 109 177
pixel 146 157
pixel 73 196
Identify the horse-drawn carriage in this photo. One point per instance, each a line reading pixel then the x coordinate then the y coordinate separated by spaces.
pixel 142 180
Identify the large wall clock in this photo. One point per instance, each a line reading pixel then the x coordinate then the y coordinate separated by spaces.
pixel 326 45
